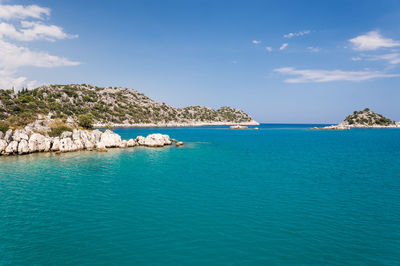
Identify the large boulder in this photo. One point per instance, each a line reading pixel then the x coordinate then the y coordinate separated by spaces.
pixel 97 135
pixel 66 134
pixel 19 135
pixel 12 147
pixel 56 144
pixel 87 139
pixel 23 147
pixel 38 142
pixel 131 143
pixel 8 135
pixel 110 139
pixel 3 145
pixel 157 140
pixel 124 144
pixel 140 140
pixel 67 145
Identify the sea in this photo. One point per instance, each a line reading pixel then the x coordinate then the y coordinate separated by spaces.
pixel 280 195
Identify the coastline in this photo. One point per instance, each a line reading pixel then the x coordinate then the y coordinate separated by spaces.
pixel 174 124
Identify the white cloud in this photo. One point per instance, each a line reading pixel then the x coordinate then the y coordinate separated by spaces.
pixel 22 12
pixel 13 56
pixel 283 46
pixel 393 58
pixel 317 75
pixel 296 34
pixel 33 31
pixel 268 48
pixel 356 58
pixel 314 49
pixel 373 40
pixel 256 42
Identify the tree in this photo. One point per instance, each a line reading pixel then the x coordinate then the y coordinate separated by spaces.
pixel 85 121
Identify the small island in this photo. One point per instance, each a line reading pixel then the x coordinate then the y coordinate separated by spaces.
pixel 364 119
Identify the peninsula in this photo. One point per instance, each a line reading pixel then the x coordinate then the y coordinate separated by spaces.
pixel 364 119
pixel 61 118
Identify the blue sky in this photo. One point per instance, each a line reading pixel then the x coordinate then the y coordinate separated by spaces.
pixel 280 61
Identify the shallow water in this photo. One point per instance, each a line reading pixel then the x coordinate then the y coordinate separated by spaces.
pixel 283 194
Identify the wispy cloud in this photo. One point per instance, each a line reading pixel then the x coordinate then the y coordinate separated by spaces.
pixel 314 49
pixel 256 42
pixel 392 58
pixel 372 40
pixel 33 31
pixel 9 12
pixel 268 48
pixel 356 58
pixel 296 34
pixel 317 75
pixel 283 46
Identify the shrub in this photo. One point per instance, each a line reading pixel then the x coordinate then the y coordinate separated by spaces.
pixel 85 121
pixel 57 131
pixel 4 126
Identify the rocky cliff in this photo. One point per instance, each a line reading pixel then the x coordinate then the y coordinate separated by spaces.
pixel 110 105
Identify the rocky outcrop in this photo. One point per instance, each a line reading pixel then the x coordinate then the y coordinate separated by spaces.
pixel 24 141
pixel 363 119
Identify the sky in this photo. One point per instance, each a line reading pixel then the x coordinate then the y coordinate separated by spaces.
pixel 280 61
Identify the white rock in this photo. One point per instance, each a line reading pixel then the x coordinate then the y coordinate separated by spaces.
pixel 3 145
pixel 156 140
pixel 66 145
pixel 56 144
pixel 66 134
pixel 23 147
pixel 38 142
pixel 19 135
pixel 8 135
pixel 140 140
pixel 12 147
pixel 1 134
pixel 110 139
pixel 123 144
pixel 47 144
pixel 131 143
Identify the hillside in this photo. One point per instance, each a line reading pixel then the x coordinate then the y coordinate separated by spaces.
pixel 365 119
pixel 110 105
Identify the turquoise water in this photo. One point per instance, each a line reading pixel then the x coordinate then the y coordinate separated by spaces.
pixel 281 195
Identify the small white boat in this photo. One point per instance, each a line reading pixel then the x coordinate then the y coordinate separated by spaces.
pixel 238 127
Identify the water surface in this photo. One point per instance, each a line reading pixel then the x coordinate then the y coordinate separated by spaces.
pixel 283 194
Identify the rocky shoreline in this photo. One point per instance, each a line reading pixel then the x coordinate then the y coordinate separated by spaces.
pixel 193 124
pixel 21 141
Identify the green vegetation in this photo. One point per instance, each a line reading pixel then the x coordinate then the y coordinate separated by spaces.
pixel 85 121
pixel 367 117
pixel 56 132
pixel 4 126
pixel 106 105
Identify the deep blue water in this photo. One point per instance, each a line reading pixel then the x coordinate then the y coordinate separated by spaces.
pixel 283 194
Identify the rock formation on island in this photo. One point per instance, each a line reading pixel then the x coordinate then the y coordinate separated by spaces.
pixel 47 134
pixel 114 106
pixel 364 119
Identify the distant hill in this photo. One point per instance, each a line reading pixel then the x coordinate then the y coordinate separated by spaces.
pixel 110 105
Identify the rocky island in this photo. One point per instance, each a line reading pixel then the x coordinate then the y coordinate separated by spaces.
pixel 364 119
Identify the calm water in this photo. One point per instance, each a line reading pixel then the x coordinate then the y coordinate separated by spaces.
pixel 280 195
